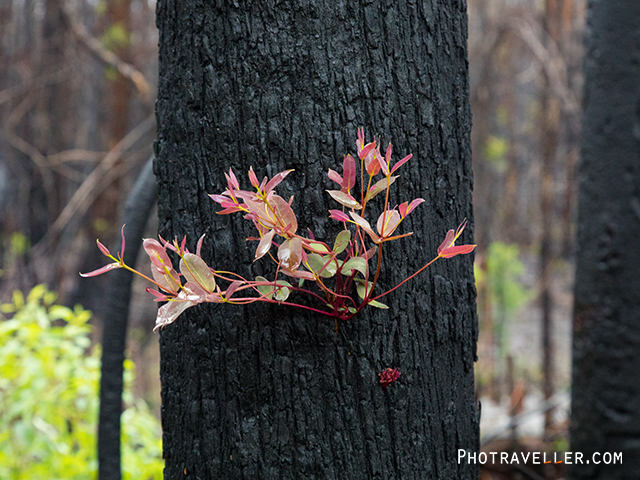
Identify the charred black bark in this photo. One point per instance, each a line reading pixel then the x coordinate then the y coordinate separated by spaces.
pixel 267 392
pixel 606 359
pixel 116 318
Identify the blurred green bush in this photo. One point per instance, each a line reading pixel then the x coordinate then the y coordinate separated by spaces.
pixel 49 379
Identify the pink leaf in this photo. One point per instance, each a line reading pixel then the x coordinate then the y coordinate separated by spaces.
pixel 252 178
pixel 290 253
pixel 232 288
pixel 339 215
pixel 335 176
pixel 344 199
pixel 273 183
pixel 448 241
pixel 199 245
pixel 388 222
pixel 401 162
pixel 285 217
pixel 232 181
pixel 157 254
pixel 101 270
pixel 362 223
pixel 265 245
pixel 123 242
pixel 456 250
pixel 349 172
pixel 383 165
pixel 105 251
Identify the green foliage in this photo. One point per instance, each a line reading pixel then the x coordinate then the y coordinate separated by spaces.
pixel 503 277
pixel 49 378
pixel 495 150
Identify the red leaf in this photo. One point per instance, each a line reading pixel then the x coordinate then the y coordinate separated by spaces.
pixel 401 162
pixel 349 172
pixel 456 250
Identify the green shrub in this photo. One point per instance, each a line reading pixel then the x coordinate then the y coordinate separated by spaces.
pixel 49 380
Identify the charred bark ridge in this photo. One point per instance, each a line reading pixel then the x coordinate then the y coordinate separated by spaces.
pixel 267 392
pixel 606 363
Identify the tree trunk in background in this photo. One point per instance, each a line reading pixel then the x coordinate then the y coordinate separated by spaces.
pixel 549 124
pixel 606 359
pixel 272 392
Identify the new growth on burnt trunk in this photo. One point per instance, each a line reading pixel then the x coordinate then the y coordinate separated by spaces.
pixel 271 391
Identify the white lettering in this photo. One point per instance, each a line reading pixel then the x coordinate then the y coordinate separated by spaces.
pixel 461 454
pixel 593 459
pixel 536 458
pixel 578 458
pixel 525 457
pixel 617 457
pixel 514 458
pixel 567 458
pixel 482 459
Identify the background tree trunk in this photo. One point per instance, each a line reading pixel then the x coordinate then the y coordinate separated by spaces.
pixel 606 363
pixel 268 392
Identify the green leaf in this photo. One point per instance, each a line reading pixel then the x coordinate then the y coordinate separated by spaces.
pixel 361 286
pixel 342 241
pixel 318 247
pixel 315 263
pixel 377 304
pixel 282 292
pixel 265 290
pixel 355 263
pixel 196 270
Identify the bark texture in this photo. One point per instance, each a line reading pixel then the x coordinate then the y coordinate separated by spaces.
pixel 606 364
pixel 267 392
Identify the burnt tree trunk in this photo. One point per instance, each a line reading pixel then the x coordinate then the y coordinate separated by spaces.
pixel 273 392
pixel 606 346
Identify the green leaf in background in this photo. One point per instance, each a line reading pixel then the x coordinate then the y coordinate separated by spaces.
pixel 49 378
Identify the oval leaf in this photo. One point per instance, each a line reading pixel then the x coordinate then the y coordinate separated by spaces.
pixel 290 253
pixel 355 263
pixel 316 264
pixel 197 271
pixel 282 292
pixel 265 245
pixel 342 241
pixel 344 199
pixel 265 290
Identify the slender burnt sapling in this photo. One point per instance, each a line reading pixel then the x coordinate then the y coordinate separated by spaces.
pixel 345 272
